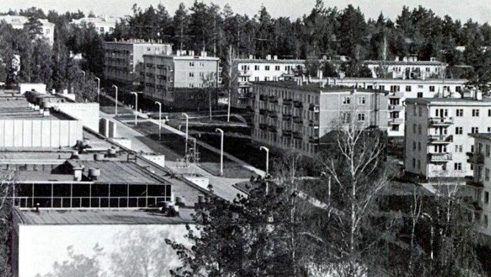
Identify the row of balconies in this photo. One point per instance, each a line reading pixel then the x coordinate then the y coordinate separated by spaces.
pixel 475 158
pixel 440 139
pixel 440 121
pixel 397 108
pixel 440 157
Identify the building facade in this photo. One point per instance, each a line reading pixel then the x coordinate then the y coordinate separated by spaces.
pixel 181 80
pixel 437 135
pixel 401 89
pixel 407 68
pixel 295 116
pixel 102 25
pixel 123 60
pixel 18 22
pixel 246 71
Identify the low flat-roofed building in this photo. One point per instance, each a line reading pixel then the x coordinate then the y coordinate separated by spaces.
pixel 18 22
pixel 295 116
pixel 407 68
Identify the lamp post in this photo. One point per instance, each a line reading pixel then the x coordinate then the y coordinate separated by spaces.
pixel 136 106
pixel 98 88
pixel 160 117
pixel 116 105
pixel 221 149
pixel 432 233
pixel 267 159
pixel 187 134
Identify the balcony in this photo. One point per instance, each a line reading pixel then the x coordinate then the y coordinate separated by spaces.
pixel 263 126
pixel 287 133
pixel 396 108
pixel 298 119
pixel 273 99
pixel 314 123
pixel 440 121
pixel 313 139
pixel 272 115
pixel 440 157
pixel 287 102
pixel 397 94
pixel 314 108
pixel 263 97
pixel 287 117
pixel 475 182
pixel 475 158
pixel 297 135
pixel 272 128
pixel 297 104
pixel 396 121
pixel 440 139
pixel 245 73
pixel 263 111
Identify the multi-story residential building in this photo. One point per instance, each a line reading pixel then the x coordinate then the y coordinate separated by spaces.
pixel 18 22
pixel 181 80
pixel 480 159
pixel 295 115
pixel 123 60
pixel 407 68
pixel 401 89
pixel 102 25
pixel 437 135
pixel 254 70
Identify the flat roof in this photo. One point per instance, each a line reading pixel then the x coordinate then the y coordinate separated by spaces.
pixel 486 136
pixel 312 87
pixel 404 62
pixel 175 57
pixel 18 108
pixel 137 43
pixel 100 217
pixel 391 80
pixel 450 101
pixel 284 61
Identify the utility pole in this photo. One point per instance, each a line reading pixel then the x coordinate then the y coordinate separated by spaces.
pixel 116 102
pixel 187 133
pixel 160 118
pixel 136 106
pixel 221 149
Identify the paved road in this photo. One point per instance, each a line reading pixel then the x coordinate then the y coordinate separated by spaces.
pixel 222 187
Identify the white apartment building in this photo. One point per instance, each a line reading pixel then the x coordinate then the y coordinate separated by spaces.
pixel 123 60
pixel 480 158
pixel 437 135
pixel 290 115
pixel 18 22
pixel 255 70
pixel 401 89
pixel 178 80
pixel 102 25
pixel 407 68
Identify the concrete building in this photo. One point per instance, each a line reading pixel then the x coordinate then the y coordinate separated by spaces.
pixel 18 22
pixel 437 135
pixel 102 25
pixel 401 89
pixel 295 116
pixel 407 68
pixel 123 60
pixel 246 71
pixel 181 80
pixel 480 158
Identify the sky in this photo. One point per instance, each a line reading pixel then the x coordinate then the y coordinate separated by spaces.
pixel 478 10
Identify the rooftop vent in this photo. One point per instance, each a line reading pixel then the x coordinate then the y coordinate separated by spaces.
pixel 94 173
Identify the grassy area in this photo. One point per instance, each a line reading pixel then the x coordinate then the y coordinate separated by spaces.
pixel 210 161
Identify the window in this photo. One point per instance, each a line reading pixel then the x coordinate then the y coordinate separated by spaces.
pixel 266 78
pixel 191 64
pixel 266 68
pixel 486 197
pixel 256 67
pixel 488 150
pixel 420 109
pixel 408 88
pixel 346 117
pixel 382 88
pixel 414 128
pixel 458 130
pixel 475 112
pixel 414 145
pixel 361 100
pixel 489 112
pixel 419 129
pixel 277 68
pixel 414 163
pixel 256 79
pixel 191 74
pixel 361 117
pixel 475 130
pixel 432 88
pixel 420 95
pixel 459 148
pixel 457 166
pixel 346 100
pixel 460 112
pixel 486 220
pixel 419 145
pixel 419 164
pixel 394 128
pixel 486 174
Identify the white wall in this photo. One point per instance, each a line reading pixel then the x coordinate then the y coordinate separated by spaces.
pixel 87 113
pixel 23 88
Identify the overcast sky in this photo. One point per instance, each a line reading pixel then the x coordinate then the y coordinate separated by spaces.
pixel 478 10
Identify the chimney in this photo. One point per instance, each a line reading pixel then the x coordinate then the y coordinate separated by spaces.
pixel 320 74
pixel 94 173
pixel 275 57
pixel 478 95
pixel 98 157
pixel 251 57
pixel 268 57
pixel 77 173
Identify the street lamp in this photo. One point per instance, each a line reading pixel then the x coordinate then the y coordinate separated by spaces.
pixel 187 123
pixel 267 159
pixel 432 233
pixel 221 149
pixel 136 106
pixel 116 105
pixel 98 88
pixel 160 118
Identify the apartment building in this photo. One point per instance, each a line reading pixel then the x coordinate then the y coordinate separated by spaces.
pixel 181 80
pixel 255 70
pixel 123 60
pixel 401 89
pixel 102 25
pixel 480 159
pixel 293 115
pixel 437 135
pixel 407 68
pixel 18 22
